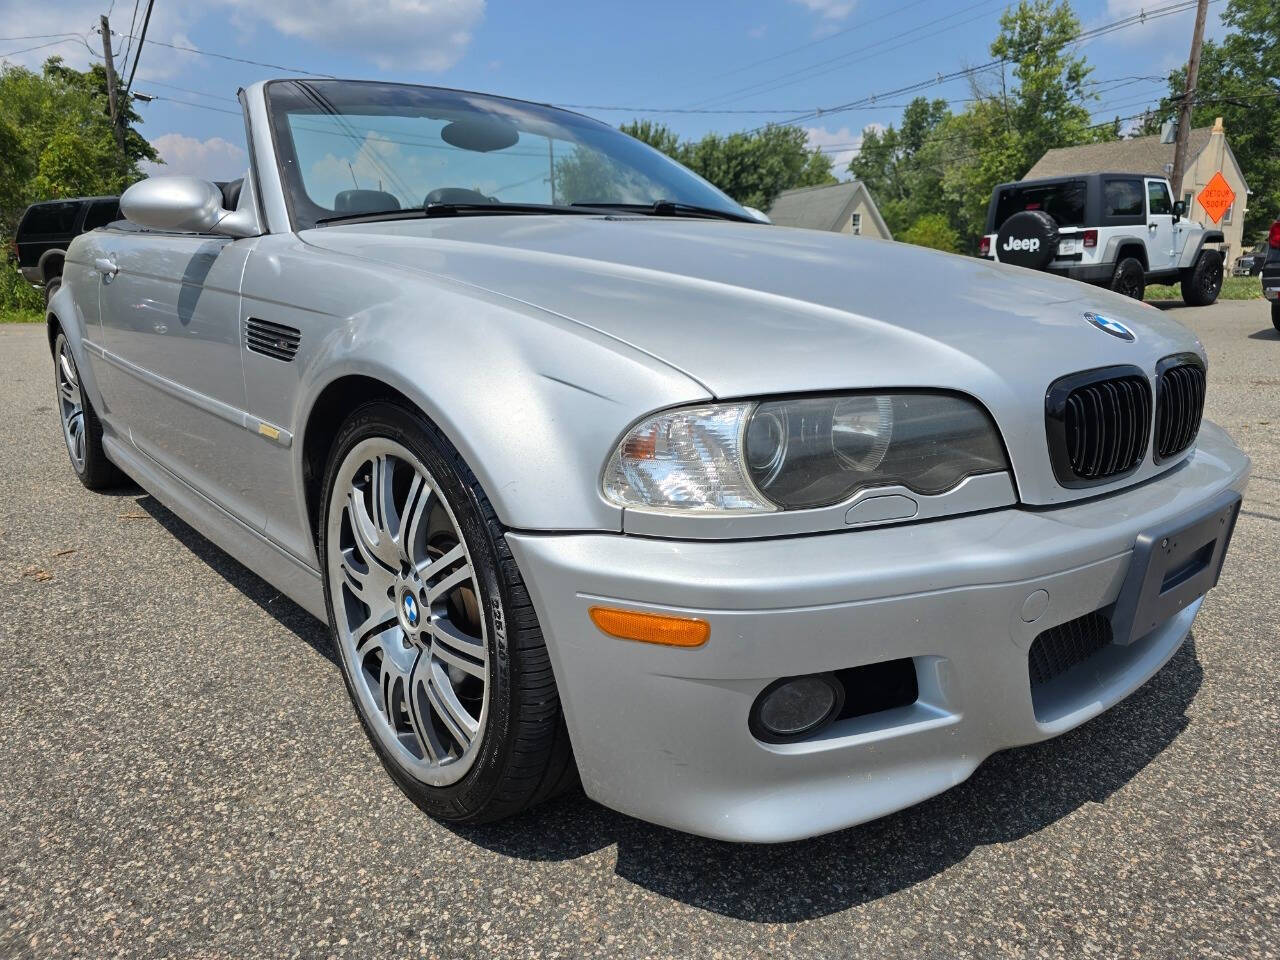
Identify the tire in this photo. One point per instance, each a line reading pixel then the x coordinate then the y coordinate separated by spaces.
pixel 1275 314
pixel 454 690
pixel 1202 285
pixel 81 429
pixel 51 286
pixel 1130 279
pixel 1029 238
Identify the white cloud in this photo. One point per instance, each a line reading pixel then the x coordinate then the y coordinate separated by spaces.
pixel 757 33
pixel 829 9
pixel 395 34
pixel 1169 37
pixel 212 159
pixel 841 145
pixel 26 19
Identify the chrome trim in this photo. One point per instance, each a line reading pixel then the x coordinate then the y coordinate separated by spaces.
pixel 211 405
pixel 984 491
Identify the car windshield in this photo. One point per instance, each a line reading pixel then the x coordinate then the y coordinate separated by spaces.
pixel 350 148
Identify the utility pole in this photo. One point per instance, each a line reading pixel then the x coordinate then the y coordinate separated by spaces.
pixel 117 111
pixel 1188 101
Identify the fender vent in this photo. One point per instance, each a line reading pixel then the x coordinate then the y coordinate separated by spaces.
pixel 272 339
pixel 1179 406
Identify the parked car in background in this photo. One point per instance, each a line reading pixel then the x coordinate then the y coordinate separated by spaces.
pixel 1271 273
pixel 1249 263
pixel 763 532
pixel 47 229
pixel 1117 230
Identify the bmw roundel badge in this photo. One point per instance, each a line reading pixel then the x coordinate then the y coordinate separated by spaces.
pixel 410 610
pixel 1113 327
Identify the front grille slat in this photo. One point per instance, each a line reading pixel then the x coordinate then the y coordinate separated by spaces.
pixel 1180 395
pixel 1098 424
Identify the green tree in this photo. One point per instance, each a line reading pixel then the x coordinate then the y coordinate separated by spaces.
pixel 932 230
pixel 902 166
pixel 56 141
pixel 752 167
pixel 1240 82
pixel 56 138
pixel 937 162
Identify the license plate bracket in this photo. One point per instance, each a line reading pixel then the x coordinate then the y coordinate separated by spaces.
pixel 1172 566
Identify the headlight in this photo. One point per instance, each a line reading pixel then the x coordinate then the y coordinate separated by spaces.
pixel 802 453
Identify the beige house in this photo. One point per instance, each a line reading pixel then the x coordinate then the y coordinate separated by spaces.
pixel 840 208
pixel 1208 153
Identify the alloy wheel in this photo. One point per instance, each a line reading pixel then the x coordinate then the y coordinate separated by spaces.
pixel 406 602
pixel 70 405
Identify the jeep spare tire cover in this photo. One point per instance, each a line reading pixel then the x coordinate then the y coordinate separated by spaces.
pixel 1028 239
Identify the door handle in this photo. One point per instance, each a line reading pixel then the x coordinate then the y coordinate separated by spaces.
pixel 1152 227
pixel 107 267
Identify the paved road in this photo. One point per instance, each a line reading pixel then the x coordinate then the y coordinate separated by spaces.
pixel 181 773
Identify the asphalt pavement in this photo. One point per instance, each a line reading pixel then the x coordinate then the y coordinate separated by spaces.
pixel 181 773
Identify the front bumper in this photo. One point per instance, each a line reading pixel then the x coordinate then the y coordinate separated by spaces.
pixel 662 733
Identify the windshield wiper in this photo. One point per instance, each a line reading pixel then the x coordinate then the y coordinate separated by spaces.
pixel 673 208
pixel 455 210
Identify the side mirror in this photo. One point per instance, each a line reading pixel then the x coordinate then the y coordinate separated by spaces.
pixel 1180 208
pixel 186 204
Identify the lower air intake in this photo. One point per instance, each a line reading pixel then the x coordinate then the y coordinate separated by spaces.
pixel 1058 649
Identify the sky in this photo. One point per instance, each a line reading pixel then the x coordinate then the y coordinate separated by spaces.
pixel 751 61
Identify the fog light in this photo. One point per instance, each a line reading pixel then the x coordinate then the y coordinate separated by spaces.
pixel 791 708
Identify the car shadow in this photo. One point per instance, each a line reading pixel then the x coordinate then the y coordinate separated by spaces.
pixel 1013 794
pixel 1165 304
pixel 1266 333
pixel 285 612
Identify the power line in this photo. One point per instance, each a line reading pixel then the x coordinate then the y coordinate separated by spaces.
pixel 256 63
pixel 52 43
pixel 1118 81
pixel 806 73
pixel 202 106
pixel 198 93
pixel 940 79
pixel 146 22
pixel 128 41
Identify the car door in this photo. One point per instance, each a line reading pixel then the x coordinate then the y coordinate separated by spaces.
pixel 170 316
pixel 1160 232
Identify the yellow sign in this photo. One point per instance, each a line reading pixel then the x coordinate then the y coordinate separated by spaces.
pixel 1217 197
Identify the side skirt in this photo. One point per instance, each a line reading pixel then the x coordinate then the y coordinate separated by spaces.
pixel 295 579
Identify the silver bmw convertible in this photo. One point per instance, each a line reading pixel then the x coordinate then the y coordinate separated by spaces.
pixel 759 532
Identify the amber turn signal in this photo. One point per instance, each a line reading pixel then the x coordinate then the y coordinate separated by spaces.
pixel 651 627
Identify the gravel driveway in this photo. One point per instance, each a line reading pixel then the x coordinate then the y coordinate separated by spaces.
pixel 181 773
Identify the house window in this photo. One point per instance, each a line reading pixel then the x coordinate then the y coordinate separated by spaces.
pixel 1226 217
pixel 856 225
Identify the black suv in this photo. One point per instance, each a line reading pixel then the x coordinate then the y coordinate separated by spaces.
pixel 46 229
pixel 1119 230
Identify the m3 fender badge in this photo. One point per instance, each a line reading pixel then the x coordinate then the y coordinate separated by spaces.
pixel 1113 327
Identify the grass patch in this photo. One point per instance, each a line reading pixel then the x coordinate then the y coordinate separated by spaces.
pixel 11 315
pixel 1233 288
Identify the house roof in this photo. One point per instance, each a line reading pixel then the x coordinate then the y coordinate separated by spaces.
pixel 823 208
pixel 1138 155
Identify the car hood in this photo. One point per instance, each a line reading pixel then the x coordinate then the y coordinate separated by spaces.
pixel 751 310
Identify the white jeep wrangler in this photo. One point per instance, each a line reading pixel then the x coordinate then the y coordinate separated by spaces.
pixel 1119 230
